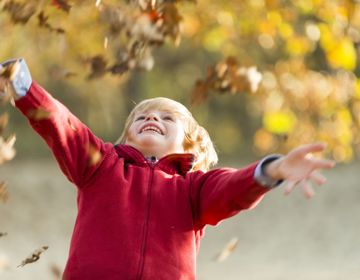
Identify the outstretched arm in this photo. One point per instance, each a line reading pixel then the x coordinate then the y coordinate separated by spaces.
pixel 299 167
pixel 78 151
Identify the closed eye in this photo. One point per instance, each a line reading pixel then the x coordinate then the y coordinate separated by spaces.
pixel 168 118
pixel 140 118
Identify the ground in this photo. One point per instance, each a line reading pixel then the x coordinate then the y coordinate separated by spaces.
pixel 283 238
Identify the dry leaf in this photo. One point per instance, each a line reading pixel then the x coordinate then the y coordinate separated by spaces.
pixel 7 73
pixel 94 155
pixel 38 114
pixel 20 12
pixel 98 67
pixel 35 256
pixel 62 5
pixel 4 263
pixel 4 195
pixel 228 250
pixel 2 234
pixel 4 119
pixel 56 271
pixel 7 151
pixel 226 76
pixel 43 22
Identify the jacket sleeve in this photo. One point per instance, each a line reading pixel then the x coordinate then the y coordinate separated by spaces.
pixel 224 192
pixel 77 150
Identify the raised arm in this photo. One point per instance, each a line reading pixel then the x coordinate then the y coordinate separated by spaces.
pixel 74 146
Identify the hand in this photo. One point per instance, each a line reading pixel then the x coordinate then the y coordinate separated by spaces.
pixel 299 166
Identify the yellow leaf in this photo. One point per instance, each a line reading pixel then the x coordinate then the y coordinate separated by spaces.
pixel 343 55
pixel 279 122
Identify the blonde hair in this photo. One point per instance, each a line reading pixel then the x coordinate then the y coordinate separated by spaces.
pixel 197 139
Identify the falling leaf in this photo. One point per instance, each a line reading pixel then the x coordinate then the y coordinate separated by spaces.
pixel 98 67
pixel 226 76
pixel 4 195
pixel 38 114
pixel 62 5
pixel 43 22
pixel 55 271
pixel 2 234
pixel 33 257
pixel 228 250
pixel 4 263
pixel 4 119
pixel 7 151
pixel 20 12
pixel 94 155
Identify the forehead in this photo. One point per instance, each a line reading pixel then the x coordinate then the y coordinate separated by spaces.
pixel 162 105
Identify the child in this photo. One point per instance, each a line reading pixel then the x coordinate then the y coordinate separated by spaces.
pixel 143 204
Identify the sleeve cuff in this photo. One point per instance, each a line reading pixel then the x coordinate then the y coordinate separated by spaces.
pixel 22 79
pixel 261 177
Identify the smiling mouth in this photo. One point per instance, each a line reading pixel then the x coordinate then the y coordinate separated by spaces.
pixel 151 128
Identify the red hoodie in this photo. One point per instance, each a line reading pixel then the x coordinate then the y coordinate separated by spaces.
pixel 136 219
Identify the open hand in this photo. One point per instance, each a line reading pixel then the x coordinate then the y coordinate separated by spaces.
pixel 299 166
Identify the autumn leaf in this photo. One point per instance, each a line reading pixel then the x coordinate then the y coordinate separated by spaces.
pixel 94 155
pixel 4 119
pixel 226 76
pixel 43 22
pixel 4 195
pixel 20 12
pixel 55 271
pixel 227 250
pixel 62 5
pixel 98 67
pixel 7 151
pixel 34 256
pixel 38 114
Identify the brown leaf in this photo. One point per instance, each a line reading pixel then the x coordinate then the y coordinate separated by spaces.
pixel 172 20
pixel 62 5
pixel 228 250
pixel 20 12
pixel 94 155
pixel 56 271
pixel 2 234
pixel 9 71
pixel 227 76
pixel 43 22
pixel 4 119
pixel 7 151
pixel 38 114
pixel 34 256
pixel 4 195
pixel 98 67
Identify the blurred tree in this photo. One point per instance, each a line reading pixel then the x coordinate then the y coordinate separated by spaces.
pixel 305 86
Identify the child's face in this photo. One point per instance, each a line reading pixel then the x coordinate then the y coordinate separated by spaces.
pixel 156 133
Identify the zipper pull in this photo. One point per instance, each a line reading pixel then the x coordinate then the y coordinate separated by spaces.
pixel 152 160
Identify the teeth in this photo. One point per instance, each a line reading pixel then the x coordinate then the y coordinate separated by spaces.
pixel 152 128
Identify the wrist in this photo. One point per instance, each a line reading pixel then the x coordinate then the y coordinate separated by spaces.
pixel 271 169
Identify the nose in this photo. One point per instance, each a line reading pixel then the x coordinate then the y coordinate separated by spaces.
pixel 152 116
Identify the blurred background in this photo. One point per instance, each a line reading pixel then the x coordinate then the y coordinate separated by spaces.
pixel 262 76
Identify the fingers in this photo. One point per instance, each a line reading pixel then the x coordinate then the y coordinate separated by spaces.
pixel 289 187
pixel 318 178
pixel 310 148
pixel 323 163
pixel 305 186
pixel 307 189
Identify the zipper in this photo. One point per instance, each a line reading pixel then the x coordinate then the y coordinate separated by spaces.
pixel 152 162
